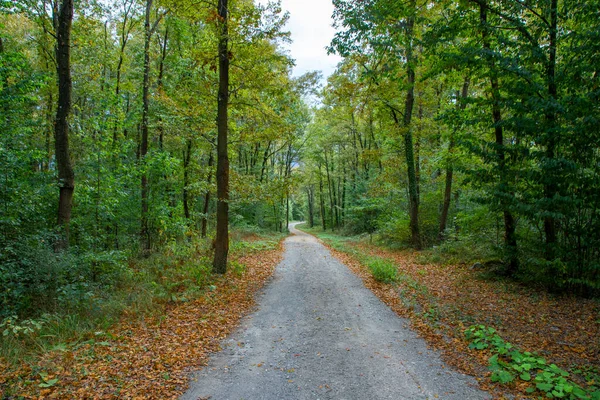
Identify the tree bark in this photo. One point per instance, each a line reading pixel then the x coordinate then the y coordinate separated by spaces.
pixel 322 201
pixel 449 168
pixel 311 211
pixel 550 188
pixel 331 199
pixel 413 189
pixel 66 176
pixel 159 85
pixel 207 196
pixel 222 238
pixel 145 233
pixel 510 238
pixel 187 155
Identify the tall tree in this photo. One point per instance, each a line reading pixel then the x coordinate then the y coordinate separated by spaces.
pixel 66 176
pixel 145 232
pixel 222 237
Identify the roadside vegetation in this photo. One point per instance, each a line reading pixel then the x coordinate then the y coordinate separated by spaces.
pixel 514 338
pixel 165 315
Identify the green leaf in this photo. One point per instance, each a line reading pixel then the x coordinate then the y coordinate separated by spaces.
pixel 525 376
pixel 49 383
pixel 545 387
pixel 502 377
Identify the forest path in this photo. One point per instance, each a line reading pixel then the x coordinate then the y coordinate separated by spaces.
pixel 320 334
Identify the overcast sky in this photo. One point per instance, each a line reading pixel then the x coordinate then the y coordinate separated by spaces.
pixel 310 25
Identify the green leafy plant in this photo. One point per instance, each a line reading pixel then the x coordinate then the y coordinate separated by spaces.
pixel 28 327
pixel 383 270
pixel 508 363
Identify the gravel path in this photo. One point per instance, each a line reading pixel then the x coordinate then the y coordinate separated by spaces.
pixel 320 334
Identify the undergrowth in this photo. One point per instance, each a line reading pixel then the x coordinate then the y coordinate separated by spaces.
pixel 77 311
pixel 509 365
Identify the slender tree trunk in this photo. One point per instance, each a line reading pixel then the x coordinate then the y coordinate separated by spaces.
pixel 66 176
pixel 187 155
pixel 413 190
pixel 287 209
pixel 222 238
pixel 510 238
pixel 449 168
pixel 123 39
pixel 161 72
pixel 550 188
pixel 264 163
pixel 343 201
pixel 321 200
pixel 145 233
pixel 311 211
pixel 331 200
pixel 207 196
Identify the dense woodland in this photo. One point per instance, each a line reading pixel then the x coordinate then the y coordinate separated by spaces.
pixel 470 127
pixel 130 127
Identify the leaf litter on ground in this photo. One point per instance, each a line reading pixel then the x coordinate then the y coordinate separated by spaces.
pixel 443 300
pixel 151 357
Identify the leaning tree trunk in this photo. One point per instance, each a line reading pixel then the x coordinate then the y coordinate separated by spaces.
pixel 222 238
pixel 66 176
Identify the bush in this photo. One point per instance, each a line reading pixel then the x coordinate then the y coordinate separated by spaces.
pixel 383 270
pixel 35 279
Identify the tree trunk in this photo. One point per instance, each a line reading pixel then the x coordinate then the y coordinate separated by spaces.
pixel 331 199
pixel 66 176
pixel 321 200
pixel 449 168
pixel 222 238
pixel 207 196
pixel 145 233
pixel 159 85
pixel 287 209
pixel 311 211
pixel 510 238
pixel 550 188
pixel 413 190
pixel 187 155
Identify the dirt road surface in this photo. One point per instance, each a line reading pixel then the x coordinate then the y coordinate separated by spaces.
pixel 320 334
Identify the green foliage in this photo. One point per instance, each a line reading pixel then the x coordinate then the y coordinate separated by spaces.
pixel 363 216
pixel 382 270
pixel 80 295
pixel 12 326
pixel 36 279
pixel 508 363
